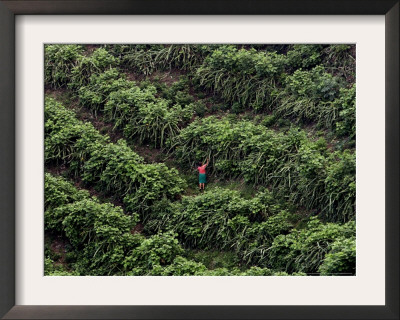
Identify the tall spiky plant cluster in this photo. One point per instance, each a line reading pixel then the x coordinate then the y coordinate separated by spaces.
pixel 247 77
pixel 59 60
pixel 147 60
pixel 314 249
pixel 316 96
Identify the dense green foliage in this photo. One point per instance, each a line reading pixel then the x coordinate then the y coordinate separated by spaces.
pixel 94 95
pixel 114 168
pixel 100 234
pixel 59 192
pixel 59 62
pixel 258 230
pixel 103 244
pixel 244 76
pixel 222 219
pixel 303 83
pixel 146 60
pixel 88 225
pixel 341 258
pixel 100 60
pixel 316 177
pixel 137 111
pixel 277 119
pixel 304 250
pixel 143 116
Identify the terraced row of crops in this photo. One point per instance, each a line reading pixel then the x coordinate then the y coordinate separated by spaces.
pixel 301 177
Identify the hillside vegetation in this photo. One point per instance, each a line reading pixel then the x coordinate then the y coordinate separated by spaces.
pixel 126 125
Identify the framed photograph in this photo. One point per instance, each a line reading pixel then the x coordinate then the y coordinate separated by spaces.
pixel 201 160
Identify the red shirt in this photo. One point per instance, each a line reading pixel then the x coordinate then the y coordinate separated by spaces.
pixel 202 169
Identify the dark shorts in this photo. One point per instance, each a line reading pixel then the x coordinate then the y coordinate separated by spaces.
pixel 202 178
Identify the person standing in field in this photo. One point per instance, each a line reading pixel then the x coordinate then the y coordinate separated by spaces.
pixel 202 174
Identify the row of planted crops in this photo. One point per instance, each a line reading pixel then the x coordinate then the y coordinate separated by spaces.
pixel 292 171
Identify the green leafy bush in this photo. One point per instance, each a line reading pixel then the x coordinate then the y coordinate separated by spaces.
pixel 216 139
pixel 58 191
pixel 56 270
pixel 305 250
pixel 177 92
pixel 142 116
pixel 247 77
pixel 99 233
pixel 122 105
pixel 341 61
pixel 95 94
pixel 200 108
pixel 59 60
pixel 346 106
pixel 156 122
pixel 304 56
pixel 99 61
pixel 184 267
pixel 340 186
pixel 254 242
pixel 341 258
pixel 306 94
pixel 68 140
pixel 158 250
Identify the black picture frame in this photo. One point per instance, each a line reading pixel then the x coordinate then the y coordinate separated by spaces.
pixel 8 11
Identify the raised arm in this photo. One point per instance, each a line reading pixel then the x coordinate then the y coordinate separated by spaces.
pixel 208 160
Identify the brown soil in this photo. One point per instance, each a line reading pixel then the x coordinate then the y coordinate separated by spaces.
pixel 150 155
pixel 90 48
pixel 137 229
pixel 167 77
pixel 58 246
pixel 105 128
pixel 58 94
pixel 133 76
pixel 79 184
pixel 56 170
